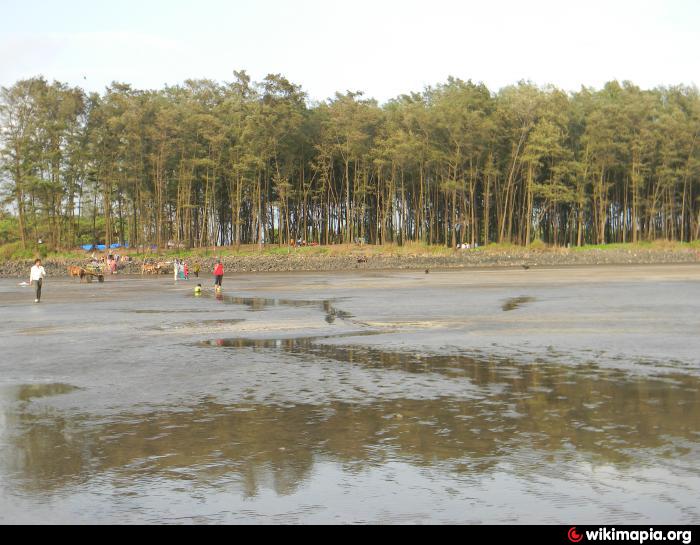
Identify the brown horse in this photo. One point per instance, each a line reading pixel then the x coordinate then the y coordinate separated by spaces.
pixel 76 272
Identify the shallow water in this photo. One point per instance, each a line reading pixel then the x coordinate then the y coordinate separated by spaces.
pixel 475 397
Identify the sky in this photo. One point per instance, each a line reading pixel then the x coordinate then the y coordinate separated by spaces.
pixel 381 47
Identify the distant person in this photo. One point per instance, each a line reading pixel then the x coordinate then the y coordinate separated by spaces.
pixel 36 276
pixel 219 274
pixel 197 269
pixel 176 269
pixel 186 270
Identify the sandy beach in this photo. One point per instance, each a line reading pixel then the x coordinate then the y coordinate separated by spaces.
pixel 477 396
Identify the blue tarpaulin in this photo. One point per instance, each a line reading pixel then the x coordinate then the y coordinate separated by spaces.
pixel 102 247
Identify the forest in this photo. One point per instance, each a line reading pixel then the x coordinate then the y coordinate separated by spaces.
pixel 206 164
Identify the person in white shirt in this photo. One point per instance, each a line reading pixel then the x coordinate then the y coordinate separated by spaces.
pixel 37 276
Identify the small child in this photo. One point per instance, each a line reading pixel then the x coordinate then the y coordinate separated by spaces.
pixel 198 290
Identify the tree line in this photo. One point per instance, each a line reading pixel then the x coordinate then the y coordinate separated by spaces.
pixel 207 163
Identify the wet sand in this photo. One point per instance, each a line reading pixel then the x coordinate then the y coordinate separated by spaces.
pixel 511 396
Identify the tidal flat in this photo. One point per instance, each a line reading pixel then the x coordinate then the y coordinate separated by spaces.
pixel 552 395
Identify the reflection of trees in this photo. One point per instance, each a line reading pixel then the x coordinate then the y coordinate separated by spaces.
pixel 35 391
pixel 546 408
pixel 43 452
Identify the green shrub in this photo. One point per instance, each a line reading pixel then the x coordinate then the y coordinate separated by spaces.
pixel 9 231
pixel 14 251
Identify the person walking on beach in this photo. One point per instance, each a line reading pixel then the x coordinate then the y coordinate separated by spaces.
pixel 176 267
pixel 219 274
pixel 36 276
pixel 197 268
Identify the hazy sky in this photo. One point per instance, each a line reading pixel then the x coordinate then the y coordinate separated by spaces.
pixel 383 47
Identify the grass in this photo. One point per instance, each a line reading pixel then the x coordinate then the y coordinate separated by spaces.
pixel 657 245
pixel 14 251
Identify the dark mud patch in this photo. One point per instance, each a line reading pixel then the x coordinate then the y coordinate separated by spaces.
pixel 517 303
pixel 45 330
pixel 167 312
pixel 214 323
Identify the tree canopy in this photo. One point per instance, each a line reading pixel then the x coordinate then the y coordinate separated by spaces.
pixel 208 163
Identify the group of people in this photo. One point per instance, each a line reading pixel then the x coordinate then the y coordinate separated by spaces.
pixel 467 246
pixel 301 243
pixel 38 273
pixel 218 282
pixel 181 270
pixel 109 264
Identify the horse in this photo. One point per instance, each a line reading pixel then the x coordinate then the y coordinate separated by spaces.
pixel 150 269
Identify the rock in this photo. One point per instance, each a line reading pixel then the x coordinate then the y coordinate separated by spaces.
pixel 325 263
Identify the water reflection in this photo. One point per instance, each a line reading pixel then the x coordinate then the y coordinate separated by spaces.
pixel 560 414
pixel 606 412
pixel 36 391
pixel 293 345
pixel 196 325
pixel 260 304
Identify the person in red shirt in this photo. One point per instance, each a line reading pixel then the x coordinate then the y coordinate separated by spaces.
pixel 219 274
